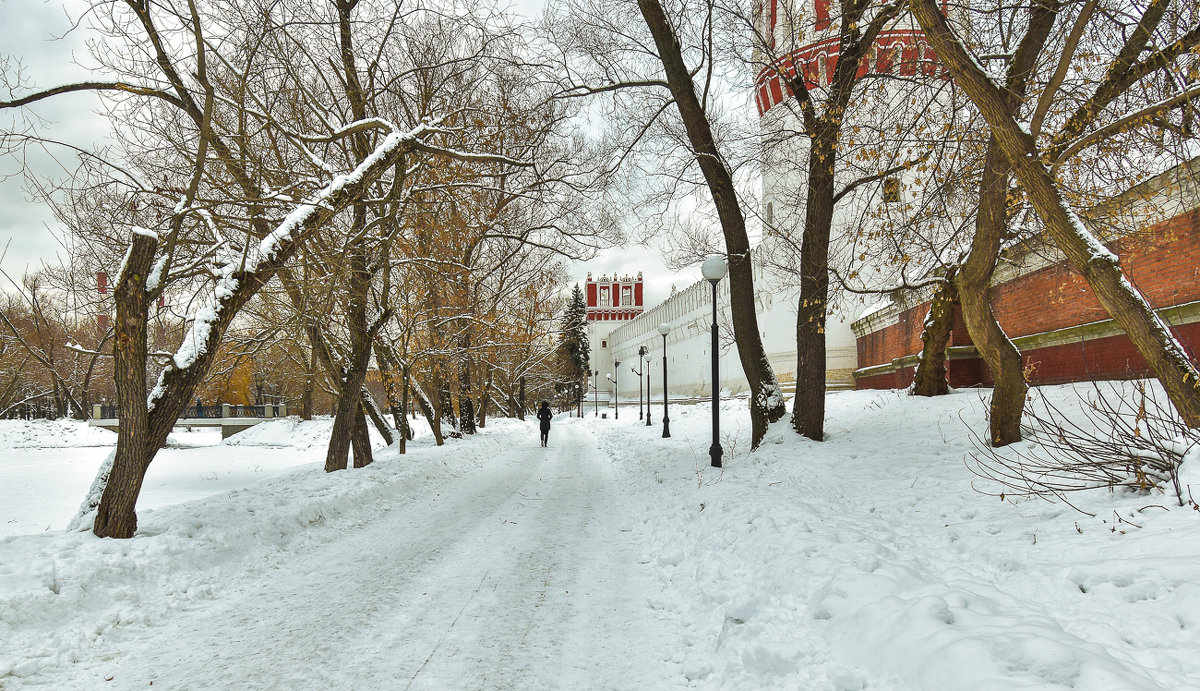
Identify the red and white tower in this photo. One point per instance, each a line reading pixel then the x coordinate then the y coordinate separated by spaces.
pixel 613 298
pixel 612 302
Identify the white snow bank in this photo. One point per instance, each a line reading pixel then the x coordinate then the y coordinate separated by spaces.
pixel 306 434
pixel 868 561
pixel 52 434
pixel 59 591
pixel 864 561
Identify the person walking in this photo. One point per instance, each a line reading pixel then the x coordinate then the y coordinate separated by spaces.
pixel 544 415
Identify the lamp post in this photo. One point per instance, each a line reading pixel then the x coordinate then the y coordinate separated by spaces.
pixel 612 379
pixel 596 393
pixel 714 270
pixel 646 368
pixel 665 329
pixel 616 392
pixel 641 354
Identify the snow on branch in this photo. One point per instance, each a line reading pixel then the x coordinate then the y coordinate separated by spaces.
pixel 75 347
pixel 235 279
pixel 469 157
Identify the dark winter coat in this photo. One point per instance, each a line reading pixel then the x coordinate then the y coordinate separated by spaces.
pixel 544 415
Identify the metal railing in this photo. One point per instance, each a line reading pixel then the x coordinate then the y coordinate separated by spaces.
pixel 215 412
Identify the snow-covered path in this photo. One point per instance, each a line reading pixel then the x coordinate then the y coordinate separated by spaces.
pixel 616 559
pixel 513 577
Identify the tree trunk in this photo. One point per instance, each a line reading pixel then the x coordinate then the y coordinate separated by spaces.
pixel 1098 266
pixel 349 422
pixel 177 384
pixel 521 398
pixel 349 392
pixel 930 378
pixel 310 385
pixel 766 398
pixel 446 406
pixel 360 441
pixel 368 405
pixel 386 355
pixel 430 414
pixel 991 229
pixel 116 515
pixel 402 421
pixel 466 406
pixel 995 348
pixel 387 375
pixel 484 399
pixel 808 407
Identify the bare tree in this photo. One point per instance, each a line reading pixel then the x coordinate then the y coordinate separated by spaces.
pixel 660 90
pixel 200 112
pixel 1146 51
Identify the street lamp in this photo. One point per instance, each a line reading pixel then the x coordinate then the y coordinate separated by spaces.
pixel 596 393
pixel 641 354
pixel 616 392
pixel 665 329
pixel 646 369
pixel 714 269
pixel 612 377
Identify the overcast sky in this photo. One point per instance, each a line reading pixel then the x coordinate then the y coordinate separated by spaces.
pixel 27 30
pixel 32 31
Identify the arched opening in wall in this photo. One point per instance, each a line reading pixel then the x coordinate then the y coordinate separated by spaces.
pixel 770 213
pixel 822 12
pixel 883 59
pixel 822 76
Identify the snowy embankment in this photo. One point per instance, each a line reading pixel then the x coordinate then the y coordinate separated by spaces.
pixel 61 590
pixel 866 561
pixel 51 434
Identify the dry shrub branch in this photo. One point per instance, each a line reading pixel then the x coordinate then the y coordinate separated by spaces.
pixel 1123 437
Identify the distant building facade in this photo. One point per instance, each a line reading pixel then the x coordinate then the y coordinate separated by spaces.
pixel 688 313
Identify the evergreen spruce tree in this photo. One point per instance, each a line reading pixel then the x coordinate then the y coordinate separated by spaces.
pixel 573 348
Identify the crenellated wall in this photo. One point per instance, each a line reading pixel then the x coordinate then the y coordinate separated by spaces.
pixel 689 344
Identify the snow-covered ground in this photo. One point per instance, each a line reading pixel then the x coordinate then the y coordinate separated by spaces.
pixel 46 466
pixel 613 559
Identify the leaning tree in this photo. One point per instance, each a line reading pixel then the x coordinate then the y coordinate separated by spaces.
pixel 227 162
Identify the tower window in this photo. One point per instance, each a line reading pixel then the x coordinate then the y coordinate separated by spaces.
pixel 883 59
pixel 822 12
pixel 891 190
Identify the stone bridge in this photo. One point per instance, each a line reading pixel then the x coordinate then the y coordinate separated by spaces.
pixel 230 418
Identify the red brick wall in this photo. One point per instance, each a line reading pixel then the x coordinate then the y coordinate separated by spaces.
pixel 1163 262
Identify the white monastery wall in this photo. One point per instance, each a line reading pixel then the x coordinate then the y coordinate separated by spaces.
pixel 689 344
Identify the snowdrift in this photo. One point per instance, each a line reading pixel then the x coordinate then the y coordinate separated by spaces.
pixel 865 561
pixel 52 434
